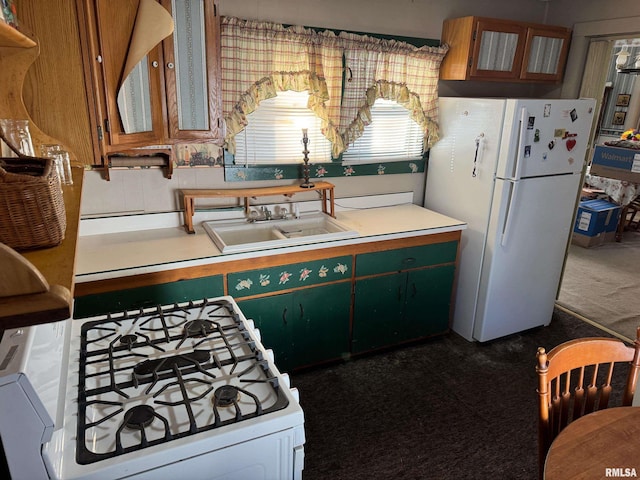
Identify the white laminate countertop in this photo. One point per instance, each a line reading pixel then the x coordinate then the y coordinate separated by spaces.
pixel 113 255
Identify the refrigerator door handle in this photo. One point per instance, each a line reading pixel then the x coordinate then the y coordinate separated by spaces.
pixel 479 148
pixel 506 229
pixel 522 132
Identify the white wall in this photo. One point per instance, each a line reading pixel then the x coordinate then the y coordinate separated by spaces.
pixel 134 191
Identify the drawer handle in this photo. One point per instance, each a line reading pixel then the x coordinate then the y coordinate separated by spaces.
pixel 409 260
pixel 415 290
pixel 284 316
pixel 301 311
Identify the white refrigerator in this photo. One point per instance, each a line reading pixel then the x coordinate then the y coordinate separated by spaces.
pixel 511 169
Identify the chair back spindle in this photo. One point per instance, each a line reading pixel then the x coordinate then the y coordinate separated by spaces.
pixel 574 379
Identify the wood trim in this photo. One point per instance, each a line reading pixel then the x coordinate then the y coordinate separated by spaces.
pixel 92 81
pixel 221 268
pixel 189 196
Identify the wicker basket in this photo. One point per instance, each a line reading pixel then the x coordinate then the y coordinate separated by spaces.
pixel 32 213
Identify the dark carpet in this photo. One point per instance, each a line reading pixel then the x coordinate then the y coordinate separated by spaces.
pixel 443 409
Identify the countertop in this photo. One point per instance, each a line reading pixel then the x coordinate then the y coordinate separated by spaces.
pixel 113 255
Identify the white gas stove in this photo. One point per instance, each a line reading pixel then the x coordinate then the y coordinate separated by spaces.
pixel 178 390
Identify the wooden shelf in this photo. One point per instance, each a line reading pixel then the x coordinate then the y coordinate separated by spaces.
pixel 189 196
pixel 10 37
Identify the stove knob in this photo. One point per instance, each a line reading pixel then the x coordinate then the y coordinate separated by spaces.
pixel 295 394
pixel 251 324
pixel 286 380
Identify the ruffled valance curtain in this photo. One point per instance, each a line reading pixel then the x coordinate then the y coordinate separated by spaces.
pixel 394 71
pixel 261 58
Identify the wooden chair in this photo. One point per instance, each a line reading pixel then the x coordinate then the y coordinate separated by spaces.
pixel 574 379
pixel 630 213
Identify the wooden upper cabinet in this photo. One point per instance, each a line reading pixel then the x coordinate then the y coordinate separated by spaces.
pixel 503 50
pixel 192 71
pixel 171 95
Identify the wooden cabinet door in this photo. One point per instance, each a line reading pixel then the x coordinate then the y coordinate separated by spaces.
pixel 546 52
pixel 498 50
pixel 192 71
pixel 428 302
pixel 110 25
pixel 172 94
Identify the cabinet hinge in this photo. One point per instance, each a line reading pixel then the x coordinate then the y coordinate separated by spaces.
pixel 475 32
pixel 107 127
pixel 99 132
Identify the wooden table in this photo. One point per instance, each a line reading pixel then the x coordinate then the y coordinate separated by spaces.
pixel 587 447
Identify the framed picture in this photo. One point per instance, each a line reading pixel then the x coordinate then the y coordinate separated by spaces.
pixel 618 118
pixel 623 100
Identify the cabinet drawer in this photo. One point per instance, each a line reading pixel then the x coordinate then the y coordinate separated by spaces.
pixel 148 296
pixel 285 277
pixel 405 258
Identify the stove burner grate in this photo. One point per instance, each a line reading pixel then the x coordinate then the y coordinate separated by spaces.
pixel 183 376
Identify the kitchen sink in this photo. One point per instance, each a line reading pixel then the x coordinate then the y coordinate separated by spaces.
pixel 242 236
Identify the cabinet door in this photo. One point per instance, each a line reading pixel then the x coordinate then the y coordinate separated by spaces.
pixel 545 54
pixel 321 324
pixel 304 327
pixel 498 49
pixel 428 302
pixel 191 61
pixel 273 316
pixel 111 24
pixel 378 311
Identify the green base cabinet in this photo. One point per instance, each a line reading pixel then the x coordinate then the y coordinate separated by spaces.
pixel 402 295
pixel 148 296
pixel 303 327
pixel 395 308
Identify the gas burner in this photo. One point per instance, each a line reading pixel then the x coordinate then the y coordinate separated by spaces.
pixel 139 417
pixel 128 340
pixel 194 328
pixel 225 396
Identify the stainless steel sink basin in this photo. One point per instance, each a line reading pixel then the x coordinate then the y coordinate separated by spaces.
pixel 241 236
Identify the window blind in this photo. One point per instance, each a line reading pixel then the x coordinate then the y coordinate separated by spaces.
pixel 274 132
pixel 392 135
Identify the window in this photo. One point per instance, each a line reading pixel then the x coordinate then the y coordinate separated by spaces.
pixel 274 132
pixel 392 135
